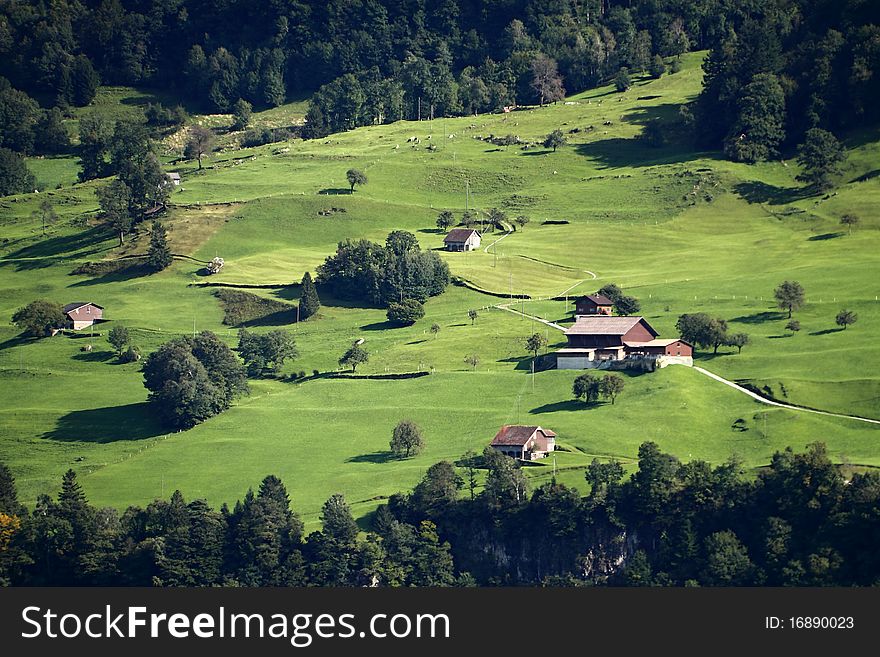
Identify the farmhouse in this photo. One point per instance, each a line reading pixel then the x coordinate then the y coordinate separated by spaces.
pixel 462 239
pixel 524 443
pixel 593 304
pixel 174 177
pixel 594 340
pixel 82 314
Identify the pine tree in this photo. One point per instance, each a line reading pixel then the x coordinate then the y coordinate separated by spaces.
pixel 9 503
pixel 309 303
pixel 338 522
pixel 159 257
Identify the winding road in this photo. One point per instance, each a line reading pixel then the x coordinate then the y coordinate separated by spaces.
pixel 705 372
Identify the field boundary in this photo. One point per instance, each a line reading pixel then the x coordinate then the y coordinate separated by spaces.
pixel 770 402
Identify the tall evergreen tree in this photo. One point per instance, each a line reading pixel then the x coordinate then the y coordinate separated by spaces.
pixel 159 256
pixel 309 303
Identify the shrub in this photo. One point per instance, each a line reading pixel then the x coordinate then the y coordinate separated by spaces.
pixel 405 313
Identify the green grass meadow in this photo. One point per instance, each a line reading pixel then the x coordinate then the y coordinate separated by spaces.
pixel 683 231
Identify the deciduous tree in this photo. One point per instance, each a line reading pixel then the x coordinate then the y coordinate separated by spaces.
pixel 407 439
pixel 845 318
pixel 789 296
pixel 586 387
pixel 199 144
pixel 355 177
pixel 820 156
pixel 554 140
pixel 119 337
pixel 611 386
pixel 546 81
pixel 39 317
pixel 356 355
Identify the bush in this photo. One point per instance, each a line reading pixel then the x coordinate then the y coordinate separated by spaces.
pixel 130 355
pixel 261 137
pixel 405 313
pixel 38 318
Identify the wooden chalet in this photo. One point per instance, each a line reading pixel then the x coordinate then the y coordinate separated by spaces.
pixel 462 239
pixel 525 443
pixel 82 314
pixel 594 304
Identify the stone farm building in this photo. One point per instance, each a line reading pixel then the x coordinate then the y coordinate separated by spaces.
pixel 524 443
pixel 595 340
pixel 462 239
pixel 594 304
pixel 81 314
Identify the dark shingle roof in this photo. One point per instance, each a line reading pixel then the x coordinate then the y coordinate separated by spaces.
pixel 79 304
pixel 459 235
pixel 599 299
pixel 514 434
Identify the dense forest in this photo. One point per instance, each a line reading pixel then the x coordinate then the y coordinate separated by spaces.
pixel 776 68
pixel 799 523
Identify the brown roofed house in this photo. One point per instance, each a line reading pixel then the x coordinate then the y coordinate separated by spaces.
pixel 526 443
pixel 593 304
pixel 82 314
pixel 462 239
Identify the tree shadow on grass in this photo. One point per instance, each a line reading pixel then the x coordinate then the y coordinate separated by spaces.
pixel 93 356
pixel 755 191
pixel 280 318
pixel 107 425
pixel 568 405
pixel 825 236
pixel 376 457
pixel 380 326
pixel 84 243
pixel 865 177
pixel 760 318
pixel 18 341
pixel 133 271
pixel 826 331
pixel 522 363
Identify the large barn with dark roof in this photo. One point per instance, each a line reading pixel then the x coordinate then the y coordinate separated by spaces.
pixel 595 339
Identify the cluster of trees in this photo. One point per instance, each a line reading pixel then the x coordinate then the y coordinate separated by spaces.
pixel 623 304
pixel 398 272
pixel 702 330
pixel 783 73
pixel 193 378
pixel 267 350
pixel 140 182
pixel 589 388
pixel 798 523
pixel 449 54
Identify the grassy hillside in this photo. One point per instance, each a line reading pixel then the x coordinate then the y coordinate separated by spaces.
pixel 682 231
